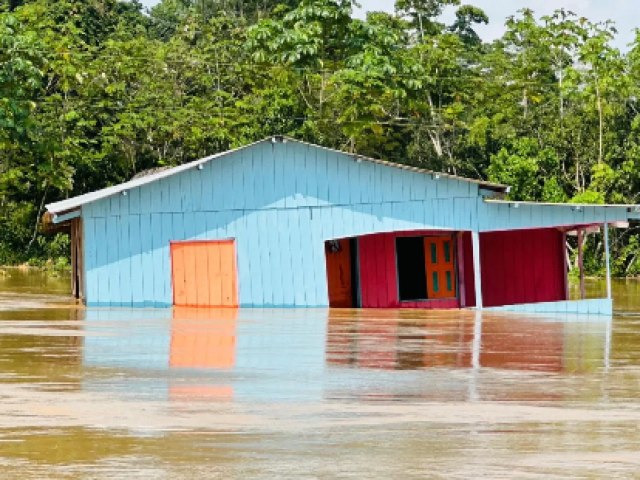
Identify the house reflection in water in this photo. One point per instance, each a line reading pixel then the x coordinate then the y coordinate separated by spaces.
pixel 209 353
pixel 203 338
pixel 308 355
pixel 400 341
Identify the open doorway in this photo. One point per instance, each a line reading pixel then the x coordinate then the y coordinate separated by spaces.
pixel 412 276
pixel 342 274
pixel 426 268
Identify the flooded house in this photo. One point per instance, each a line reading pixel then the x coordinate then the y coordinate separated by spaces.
pixel 283 223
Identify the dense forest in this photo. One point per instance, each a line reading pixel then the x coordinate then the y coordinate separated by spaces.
pixel 94 91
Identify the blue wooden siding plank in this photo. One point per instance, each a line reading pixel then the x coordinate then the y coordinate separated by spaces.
pixel 186 194
pixel 250 180
pixel 122 294
pixel 338 220
pixel 146 205
pixel 261 260
pixel 378 210
pixel 167 236
pixel 200 222
pixel 223 182
pixel 416 186
pixel 160 196
pixel 134 200
pixel 426 207
pixel 322 176
pixel 93 231
pixel 377 190
pixel 459 213
pixel 89 210
pixel 398 213
pixel 238 176
pixel 123 202
pixel 366 182
pixel 233 219
pixel 175 196
pixel 333 176
pixel 253 259
pixel 288 269
pixel 135 254
pixel 146 248
pixel 190 226
pixel 206 187
pixel 296 253
pixel 177 222
pixel 302 196
pixel 156 269
pixel 214 226
pixel 439 217
pixel 264 188
pixel 455 188
pixel 112 274
pixel 345 176
pixel 358 226
pixel 274 266
pixel 280 166
pixel 244 247
pixel 114 205
pixel 405 183
pixel 536 216
pixel 305 243
pixel 309 177
pixel 237 180
pixel 268 177
pixel 196 179
pixel 399 185
pixel 288 158
pixel 316 243
pixel 280 283
pixel 258 182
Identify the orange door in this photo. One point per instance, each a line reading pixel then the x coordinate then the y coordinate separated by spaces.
pixel 204 274
pixel 440 267
pixel 339 279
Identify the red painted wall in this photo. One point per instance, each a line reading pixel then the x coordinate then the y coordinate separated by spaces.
pixel 377 257
pixel 522 266
pixel 378 274
pixel 465 270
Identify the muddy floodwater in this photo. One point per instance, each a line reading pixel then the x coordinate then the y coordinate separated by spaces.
pixel 209 393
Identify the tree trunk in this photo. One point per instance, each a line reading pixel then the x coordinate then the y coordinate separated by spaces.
pixel 600 124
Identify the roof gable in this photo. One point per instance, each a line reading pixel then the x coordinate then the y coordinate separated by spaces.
pixel 78 201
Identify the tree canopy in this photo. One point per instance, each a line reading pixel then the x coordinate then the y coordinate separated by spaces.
pixel 94 91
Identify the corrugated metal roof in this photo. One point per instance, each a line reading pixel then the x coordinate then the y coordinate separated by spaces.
pixel 76 202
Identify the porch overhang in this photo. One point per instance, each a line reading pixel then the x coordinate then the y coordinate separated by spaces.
pixel 500 215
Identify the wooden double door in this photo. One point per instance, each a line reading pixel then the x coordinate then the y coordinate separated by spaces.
pixel 440 266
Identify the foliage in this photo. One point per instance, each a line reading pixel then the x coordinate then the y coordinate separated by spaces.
pixel 95 91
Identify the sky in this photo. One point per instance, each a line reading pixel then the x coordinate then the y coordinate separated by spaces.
pixel 623 12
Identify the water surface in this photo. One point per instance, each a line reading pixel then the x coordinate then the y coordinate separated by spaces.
pixel 213 393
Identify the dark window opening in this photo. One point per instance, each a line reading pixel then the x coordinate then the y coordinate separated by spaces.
pixel 412 278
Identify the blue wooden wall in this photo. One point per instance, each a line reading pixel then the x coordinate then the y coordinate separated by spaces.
pixel 280 202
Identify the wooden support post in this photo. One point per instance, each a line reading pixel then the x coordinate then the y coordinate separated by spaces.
pixel 475 242
pixel 566 262
pixel 583 293
pixel 607 259
pixel 74 258
pixel 461 291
